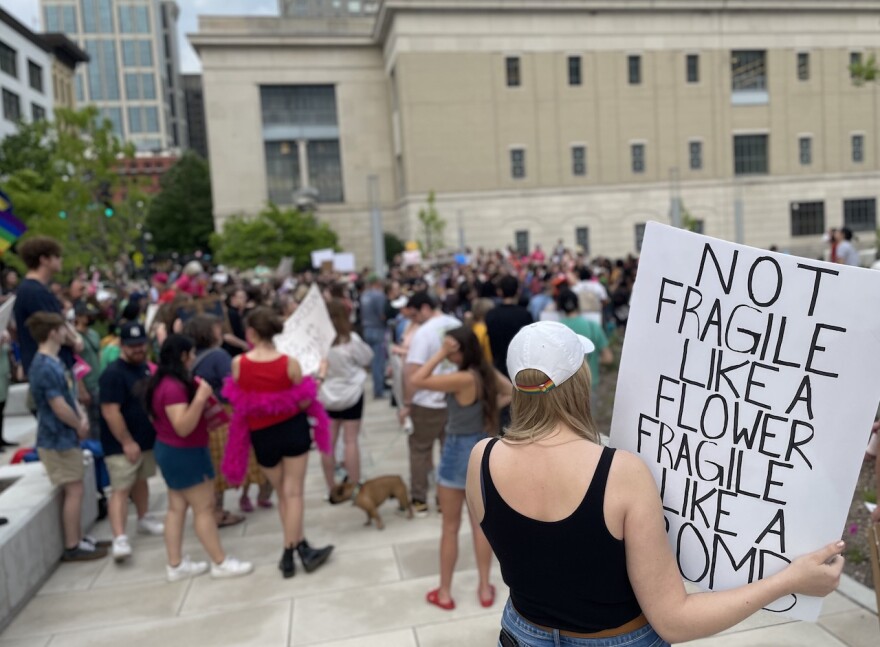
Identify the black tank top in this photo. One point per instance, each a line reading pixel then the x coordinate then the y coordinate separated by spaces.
pixel 568 574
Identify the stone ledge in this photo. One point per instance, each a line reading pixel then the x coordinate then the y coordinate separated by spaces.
pixel 31 542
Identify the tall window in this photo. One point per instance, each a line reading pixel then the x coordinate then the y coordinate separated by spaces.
pixel 693 68
pixel 855 60
pixel 511 64
pixel 640 235
pixel 858 149
pixel 634 68
pixel 8 60
pixel 807 218
pixel 582 239
pixel 102 71
pixel 805 150
pixel 294 115
pixel 11 106
pixel 60 18
pixel 114 116
pixel 748 70
pixel 517 163
pixel 695 153
pixel 803 66
pixel 38 113
pixel 579 160
pixel 522 242
pixel 860 214
pixel 637 152
pixel 35 76
pixel 750 155
pixel 574 70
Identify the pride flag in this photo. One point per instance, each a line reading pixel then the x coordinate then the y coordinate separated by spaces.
pixel 11 228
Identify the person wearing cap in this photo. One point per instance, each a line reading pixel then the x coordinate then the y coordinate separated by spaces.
pixel 128 437
pixel 425 407
pixel 373 303
pixel 582 541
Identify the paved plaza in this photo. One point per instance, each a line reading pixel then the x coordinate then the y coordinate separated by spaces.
pixel 370 594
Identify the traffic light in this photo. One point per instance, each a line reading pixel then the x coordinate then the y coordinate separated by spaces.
pixel 62 214
pixel 108 210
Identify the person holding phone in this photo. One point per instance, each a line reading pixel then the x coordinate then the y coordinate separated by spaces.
pixel 582 542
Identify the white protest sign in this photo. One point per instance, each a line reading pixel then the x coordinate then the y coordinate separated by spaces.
pixel 747 384
pixel 321 255
pixel 6 313
pixel 343 262
pixel 308 333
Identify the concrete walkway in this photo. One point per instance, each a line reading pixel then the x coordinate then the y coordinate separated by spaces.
pixel 371 593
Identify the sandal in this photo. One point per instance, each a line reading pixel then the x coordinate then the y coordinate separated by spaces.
pixel 433 597
pixel 264 503
pixel 488 602
pixel 229 519
pixel 245 505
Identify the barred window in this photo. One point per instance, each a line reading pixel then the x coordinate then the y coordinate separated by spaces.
pixel 695 150
pixel 805 150
pixel 513 72
pixel 300 105
pixel 579 160
pixel 325 169
pixel 35 76
pixel 634 65
pixel 803 66
pixel 574 70
pixel 855 59
pixel 807 218
pixel 748 70
pixel 8 60
pixel 693 68
pixel 522 242
pixel 11 106
pixel 638 158
pixel 750 154
pixel 858 149
pixel 282 171
pixel 518 163
pixel 860 214
pixel 38 113
pixel 582 238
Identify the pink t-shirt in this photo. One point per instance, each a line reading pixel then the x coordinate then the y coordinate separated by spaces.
pixel 171 391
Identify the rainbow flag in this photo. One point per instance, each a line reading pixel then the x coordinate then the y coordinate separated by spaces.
pixel 11 228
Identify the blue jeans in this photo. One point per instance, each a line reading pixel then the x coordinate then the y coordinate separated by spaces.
pixel 525 634
pixel 375 337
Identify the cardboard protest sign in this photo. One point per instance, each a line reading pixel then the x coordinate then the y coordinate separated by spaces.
pixel 308 332
pixel 747 384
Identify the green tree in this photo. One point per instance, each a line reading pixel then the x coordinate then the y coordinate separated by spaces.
pixel 181 217
pixel 433 226
pixel 274 233
pixel 60 175
pixel 393 247
pixel 865 71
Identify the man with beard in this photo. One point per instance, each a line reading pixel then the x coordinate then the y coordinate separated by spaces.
pixel 128 436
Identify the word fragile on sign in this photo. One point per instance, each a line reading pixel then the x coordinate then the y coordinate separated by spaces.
pixel 748 385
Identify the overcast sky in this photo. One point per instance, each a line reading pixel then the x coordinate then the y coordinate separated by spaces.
pixel 28 12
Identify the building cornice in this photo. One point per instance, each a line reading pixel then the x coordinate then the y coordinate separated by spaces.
pixel 389 8
pixel 266 31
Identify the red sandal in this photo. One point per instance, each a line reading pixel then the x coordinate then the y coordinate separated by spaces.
pixel 488 602
pixel 433 597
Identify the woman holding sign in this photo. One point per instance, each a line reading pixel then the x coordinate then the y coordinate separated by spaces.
pixel 581 539
pixel 271 402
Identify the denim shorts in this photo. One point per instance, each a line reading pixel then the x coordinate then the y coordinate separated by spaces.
pixel 525 634
pixel 183 467
pixel 452 472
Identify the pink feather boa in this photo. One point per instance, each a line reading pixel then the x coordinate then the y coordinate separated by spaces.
pixel 247 404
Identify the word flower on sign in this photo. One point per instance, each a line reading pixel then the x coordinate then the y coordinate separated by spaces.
pixel 748 384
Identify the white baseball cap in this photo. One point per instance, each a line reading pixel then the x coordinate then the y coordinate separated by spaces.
pixel 550 347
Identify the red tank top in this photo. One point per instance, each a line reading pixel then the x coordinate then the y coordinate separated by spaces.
pixel 264 377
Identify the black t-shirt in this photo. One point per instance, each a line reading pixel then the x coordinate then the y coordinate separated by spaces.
pixel 124 384
pixel 502 324
pixel 236 324
pixel 32 296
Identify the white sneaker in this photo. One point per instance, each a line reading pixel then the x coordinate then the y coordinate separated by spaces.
pixel 230 567
pixel 186 568
pixel 150 526
pixel 121 549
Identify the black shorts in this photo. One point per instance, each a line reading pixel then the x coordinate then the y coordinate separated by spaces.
pixel 288 438
pixel 354 412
